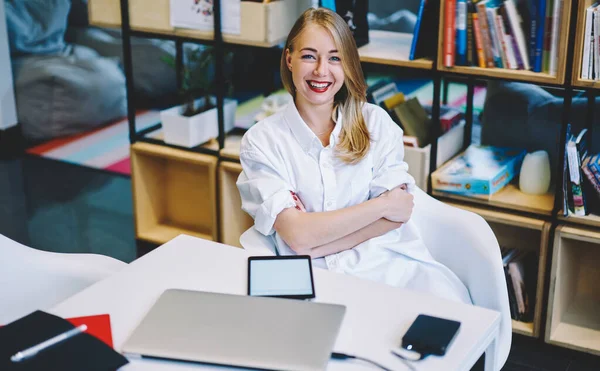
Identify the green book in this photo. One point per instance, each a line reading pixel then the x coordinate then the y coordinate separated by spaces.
pixel 414 119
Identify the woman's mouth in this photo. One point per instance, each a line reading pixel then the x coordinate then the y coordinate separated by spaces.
pixel 318 86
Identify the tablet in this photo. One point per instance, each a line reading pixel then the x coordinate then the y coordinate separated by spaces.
pixel 281 276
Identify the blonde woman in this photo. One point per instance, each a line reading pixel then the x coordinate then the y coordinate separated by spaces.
pixel 326 175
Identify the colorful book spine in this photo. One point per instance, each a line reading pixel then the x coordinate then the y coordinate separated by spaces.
pixel 517 31
pixel 485 34
pixel 417 32
pixel 478 42
pixel 556 20
pixel 499 59
pixel 471 49
pixel 533 29
pixel 539 36
pixel 547 36
pixel 449 33
pixel 461 32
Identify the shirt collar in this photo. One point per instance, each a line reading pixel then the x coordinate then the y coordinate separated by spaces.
pixel 302 132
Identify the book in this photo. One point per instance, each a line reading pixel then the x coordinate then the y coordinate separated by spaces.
pixel 424 41
pixel 485 33
pixel 389 104
pixel 481 62
pixel 380 91
pixel 449 33
pixel 461 32
pixel 576 152
pixel 480 170
pixel 539 36
pixel 414 120
pixel 556 20
pixel 517 32
pixel 565 189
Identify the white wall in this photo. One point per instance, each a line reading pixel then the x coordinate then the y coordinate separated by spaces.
pixel 8 111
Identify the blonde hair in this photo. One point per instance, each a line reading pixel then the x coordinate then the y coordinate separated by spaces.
pixel 354 137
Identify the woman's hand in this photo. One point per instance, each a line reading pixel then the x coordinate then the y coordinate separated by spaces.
pixel 398 204
pixel 299 204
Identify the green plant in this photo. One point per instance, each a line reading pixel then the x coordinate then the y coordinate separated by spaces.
pixel 197 78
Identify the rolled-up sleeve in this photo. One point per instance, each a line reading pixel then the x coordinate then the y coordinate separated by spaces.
pixel 389 170
pixel 263 190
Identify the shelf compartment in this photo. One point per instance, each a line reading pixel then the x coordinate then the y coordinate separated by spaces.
pixel 262 25
pixel 174 192
pixel 391 48
pixel 523 233
pixel 509 197
pixel 234 221
pixel 518 75
pixel 574 303
pixel 576 79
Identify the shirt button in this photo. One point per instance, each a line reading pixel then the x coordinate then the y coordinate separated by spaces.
pixel 329 203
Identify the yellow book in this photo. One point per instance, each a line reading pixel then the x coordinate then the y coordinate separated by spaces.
pixel 391 102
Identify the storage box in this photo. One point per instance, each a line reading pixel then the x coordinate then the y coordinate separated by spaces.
pixel 193 131
pixel 480 170
pixel 418 159
pixel 261 24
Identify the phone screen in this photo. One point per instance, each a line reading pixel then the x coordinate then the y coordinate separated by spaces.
pixel 281 276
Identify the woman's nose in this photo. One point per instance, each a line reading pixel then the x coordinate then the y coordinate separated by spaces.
pixel 321 69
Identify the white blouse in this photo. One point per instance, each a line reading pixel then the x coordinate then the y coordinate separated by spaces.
pixel 281 154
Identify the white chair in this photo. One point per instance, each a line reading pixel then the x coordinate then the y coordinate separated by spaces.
pixel 462 241
pixel 32 279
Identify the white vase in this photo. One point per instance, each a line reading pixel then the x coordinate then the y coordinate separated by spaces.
pixel 193 131
pixel 535 173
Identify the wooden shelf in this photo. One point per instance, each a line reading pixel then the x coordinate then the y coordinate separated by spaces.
pixel 174 192
pixel 574 303
pixel 391 48
pixel 523 233
pixel 509 197
pixel 578 48
pixel 519 75
pixel 262 25
pixel 523 328
pixel 588 220
pixel 234 221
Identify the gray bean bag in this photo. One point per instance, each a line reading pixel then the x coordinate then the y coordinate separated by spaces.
pixel 67 93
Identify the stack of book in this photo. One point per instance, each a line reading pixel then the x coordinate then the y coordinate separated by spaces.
pixel 511 34
pixel 581 179
pixel 590 61
pixel 409 114
pixel 520 269
pixel 479 171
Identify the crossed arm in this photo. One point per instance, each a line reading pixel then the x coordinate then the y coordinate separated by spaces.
pixel 324 233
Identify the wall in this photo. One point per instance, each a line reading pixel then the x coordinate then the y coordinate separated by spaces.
pixel 8 111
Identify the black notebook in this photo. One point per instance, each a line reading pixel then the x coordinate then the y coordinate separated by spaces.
pixel 80 352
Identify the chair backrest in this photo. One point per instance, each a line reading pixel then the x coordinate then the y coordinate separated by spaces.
pixel 32 279
pixel 257 243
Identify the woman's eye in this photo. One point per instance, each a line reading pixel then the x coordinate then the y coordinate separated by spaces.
pixel 307 56
pixel 335 59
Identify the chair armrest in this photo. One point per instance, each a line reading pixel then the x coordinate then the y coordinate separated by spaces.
pixel 465 243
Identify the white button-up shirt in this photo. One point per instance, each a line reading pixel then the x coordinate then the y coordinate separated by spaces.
pixel 281 154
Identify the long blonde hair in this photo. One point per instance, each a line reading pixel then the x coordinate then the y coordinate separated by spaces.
pixel 354 137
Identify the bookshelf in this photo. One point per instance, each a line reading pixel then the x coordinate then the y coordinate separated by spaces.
pixel 174 192
pixel 523 233
pixel 507 74
pixel 574 302
pixel 510 198
pixel 577 80
pixel 234 221
pixel 391 48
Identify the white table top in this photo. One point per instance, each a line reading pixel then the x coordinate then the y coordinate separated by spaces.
pixel 377 316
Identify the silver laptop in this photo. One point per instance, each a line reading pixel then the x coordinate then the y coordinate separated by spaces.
pixel 234 330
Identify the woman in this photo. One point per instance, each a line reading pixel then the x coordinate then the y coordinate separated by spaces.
pixel 327 176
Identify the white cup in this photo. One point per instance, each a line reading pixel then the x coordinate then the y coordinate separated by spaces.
pixel 535 173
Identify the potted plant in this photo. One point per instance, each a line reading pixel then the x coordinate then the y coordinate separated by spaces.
pixel 196 120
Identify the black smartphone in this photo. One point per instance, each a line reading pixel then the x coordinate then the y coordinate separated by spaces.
pixel 430 335
pixel 281 276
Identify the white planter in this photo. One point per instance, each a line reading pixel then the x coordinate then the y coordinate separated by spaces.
pixel 195 130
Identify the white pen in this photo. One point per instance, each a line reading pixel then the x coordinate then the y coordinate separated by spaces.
pixel 32 351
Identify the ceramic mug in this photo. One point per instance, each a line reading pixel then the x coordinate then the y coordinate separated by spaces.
pixel 535 173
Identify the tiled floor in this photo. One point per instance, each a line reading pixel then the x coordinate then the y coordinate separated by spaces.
pixel 60 207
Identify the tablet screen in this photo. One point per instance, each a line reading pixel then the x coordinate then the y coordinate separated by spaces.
pixel 281 276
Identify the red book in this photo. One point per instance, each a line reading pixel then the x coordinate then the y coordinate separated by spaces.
pixel 450 32
pixel 98 326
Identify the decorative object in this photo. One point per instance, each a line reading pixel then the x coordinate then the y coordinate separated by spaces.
pixel 535 173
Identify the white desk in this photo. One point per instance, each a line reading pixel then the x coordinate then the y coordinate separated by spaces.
pixel 376 315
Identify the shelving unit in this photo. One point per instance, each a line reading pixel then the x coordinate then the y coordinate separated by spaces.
pixel 574 305
pixel 523 233
pixel 234 221
pixel 509 197
pixel 391 48
pixel 513 75
pixel 174 192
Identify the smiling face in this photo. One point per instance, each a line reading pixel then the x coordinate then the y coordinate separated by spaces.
pixel 316 67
